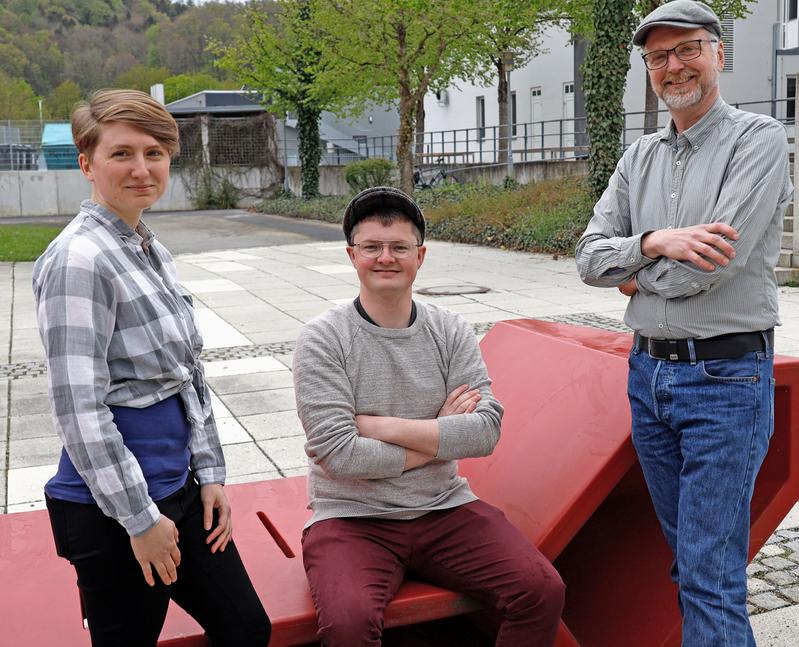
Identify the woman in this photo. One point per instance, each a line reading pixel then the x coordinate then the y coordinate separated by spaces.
pixel 137 505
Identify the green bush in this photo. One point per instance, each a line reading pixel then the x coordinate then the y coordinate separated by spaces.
pixel 368 173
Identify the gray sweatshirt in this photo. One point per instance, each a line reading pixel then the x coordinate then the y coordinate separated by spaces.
pixel 344 366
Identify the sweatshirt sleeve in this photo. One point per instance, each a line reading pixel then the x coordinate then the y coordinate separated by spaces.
pixel 469 434
pixel 326 408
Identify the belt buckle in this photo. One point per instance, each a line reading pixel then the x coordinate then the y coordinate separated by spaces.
pixel 673 357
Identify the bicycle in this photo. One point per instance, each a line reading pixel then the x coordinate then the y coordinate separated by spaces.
pixel 441 176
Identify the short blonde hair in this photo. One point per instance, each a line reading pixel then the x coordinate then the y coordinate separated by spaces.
pixel 132 107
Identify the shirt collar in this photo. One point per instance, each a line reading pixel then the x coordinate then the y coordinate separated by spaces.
pixel 142 235
pixel 699 132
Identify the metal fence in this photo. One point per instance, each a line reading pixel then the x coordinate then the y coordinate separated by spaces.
pixel 258 141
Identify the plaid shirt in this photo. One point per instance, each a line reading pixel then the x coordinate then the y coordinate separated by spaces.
pixel 117 329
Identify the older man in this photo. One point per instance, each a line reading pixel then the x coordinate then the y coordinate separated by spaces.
pixel 689 227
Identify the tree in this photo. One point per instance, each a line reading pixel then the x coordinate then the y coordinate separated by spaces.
pixel 141 77
pixel 514 26
pixel 183 85
pixel 392 51
pixel 63 99
pixel 17 99
pixel 278 56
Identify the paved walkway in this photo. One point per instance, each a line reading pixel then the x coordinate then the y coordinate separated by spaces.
pixel 251 304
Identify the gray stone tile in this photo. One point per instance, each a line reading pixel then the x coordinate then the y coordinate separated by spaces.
pixel 246 458
pixel 286 453
pixel 771 550
pixel 296 471
pixel 755 568
pixel 755 585
pixel 250 478
pixel 768 601
pixel 254 402
pixel 2 491
pixel 279 424
pixel 777 563
pixel 251 382
pixel 34 451
pixel 28 387
pixel 791 592
pixel 781 578
pixel 39 425
pixel 29 405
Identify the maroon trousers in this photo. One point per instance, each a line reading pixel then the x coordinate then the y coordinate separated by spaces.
pixel 356 565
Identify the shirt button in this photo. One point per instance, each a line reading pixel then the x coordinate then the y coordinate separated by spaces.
pixel 660 325
pixel 678 162
pixel 694 285
pixel 673 195
pixel 696 148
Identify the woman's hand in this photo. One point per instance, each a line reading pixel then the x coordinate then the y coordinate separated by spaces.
pixel 213 498
pixel 158 547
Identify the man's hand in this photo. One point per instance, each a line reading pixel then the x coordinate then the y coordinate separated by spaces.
pixel 158 547
pixel 461 400
pixel 630 288
pixel 703 245
pixel 213 498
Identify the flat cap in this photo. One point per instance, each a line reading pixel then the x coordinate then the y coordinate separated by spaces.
pixel 688 14
pixel 380 198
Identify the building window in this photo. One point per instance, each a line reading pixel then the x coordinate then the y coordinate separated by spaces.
pixel 728 38
pixel 790 94
pixel 791 11
pixel 481 117
pixel 513 119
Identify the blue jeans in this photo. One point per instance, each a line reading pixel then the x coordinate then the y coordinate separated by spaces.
pixel 701 431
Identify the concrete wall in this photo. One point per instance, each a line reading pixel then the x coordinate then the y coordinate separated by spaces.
pixel 526 172
pixel 331 181
pixel 59 193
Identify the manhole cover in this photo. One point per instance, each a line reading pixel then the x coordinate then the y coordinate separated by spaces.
pixel 452 290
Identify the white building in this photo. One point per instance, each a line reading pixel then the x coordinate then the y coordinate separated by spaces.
pixel 762 61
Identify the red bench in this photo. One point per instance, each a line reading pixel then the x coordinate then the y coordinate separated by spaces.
pixel 564 472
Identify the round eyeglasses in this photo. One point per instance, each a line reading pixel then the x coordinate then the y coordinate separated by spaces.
pixel 687 51
pixel 397 248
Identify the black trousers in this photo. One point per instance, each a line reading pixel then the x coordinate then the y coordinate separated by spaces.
pixel 124 611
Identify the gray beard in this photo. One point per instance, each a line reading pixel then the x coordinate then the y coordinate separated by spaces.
pixel 678 100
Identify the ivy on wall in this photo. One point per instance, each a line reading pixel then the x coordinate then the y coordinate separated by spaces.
pixel 605 72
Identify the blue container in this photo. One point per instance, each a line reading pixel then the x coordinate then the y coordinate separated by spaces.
pixel 58 148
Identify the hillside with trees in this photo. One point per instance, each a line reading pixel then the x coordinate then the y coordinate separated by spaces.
pixel 61 50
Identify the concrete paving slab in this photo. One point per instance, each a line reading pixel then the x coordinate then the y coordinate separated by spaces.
pixel 286 453
pixel 777 628
pixel 29 405
pixel 242 366
pixel 218 333
pixel 26 484
pixel 245 404
pixel 2 489
pixel 28 386
pixel 252 382
pixel 30 452
pixel 39 425
pixel 231 432
pixel 246 458
pixel 267 426
pixel 282 334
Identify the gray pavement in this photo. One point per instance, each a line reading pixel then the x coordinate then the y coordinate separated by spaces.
pixel 251 302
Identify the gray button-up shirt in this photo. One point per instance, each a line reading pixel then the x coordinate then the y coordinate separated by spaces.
pixel 731 166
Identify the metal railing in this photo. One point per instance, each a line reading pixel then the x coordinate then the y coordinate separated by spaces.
pixel 249 142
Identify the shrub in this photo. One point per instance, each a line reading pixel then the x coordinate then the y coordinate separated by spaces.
pixel 368 173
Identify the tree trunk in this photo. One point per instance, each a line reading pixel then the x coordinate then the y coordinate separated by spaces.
pixel 651 108
pixel 419 130
pixel 502 104
pixel 310 149
pixel 405 141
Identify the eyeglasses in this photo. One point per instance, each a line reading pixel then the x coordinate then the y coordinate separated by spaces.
pixel 397 248
pixel 687 51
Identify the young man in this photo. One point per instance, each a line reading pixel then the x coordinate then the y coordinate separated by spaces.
pixel 390 393
pixel 689 227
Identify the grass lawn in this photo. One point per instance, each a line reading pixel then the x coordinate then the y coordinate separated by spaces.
pixel 25 242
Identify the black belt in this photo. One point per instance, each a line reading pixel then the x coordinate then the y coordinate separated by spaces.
pixel 721 347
